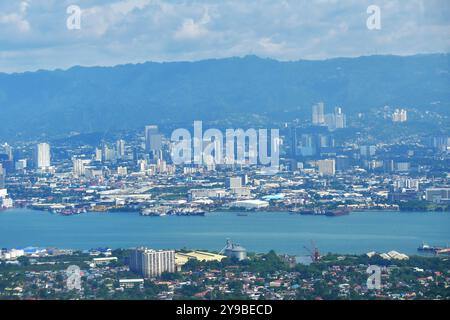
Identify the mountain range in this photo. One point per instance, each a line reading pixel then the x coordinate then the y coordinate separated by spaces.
pixel 100 99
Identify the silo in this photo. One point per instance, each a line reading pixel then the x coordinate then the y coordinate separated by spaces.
pixel 235 251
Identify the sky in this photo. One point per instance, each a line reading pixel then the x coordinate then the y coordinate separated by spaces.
pixel 34 33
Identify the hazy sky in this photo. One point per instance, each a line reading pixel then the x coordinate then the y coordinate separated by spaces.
pixel 33 33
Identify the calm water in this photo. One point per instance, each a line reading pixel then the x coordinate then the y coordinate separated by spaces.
pixel 259 232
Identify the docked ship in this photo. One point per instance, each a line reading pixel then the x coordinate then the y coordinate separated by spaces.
pixel 192 213
pixel 433 249
pixel 427 248
pixel 154 212
pixel 305 211
pixel 337 212
pixel 69 211
pixel 189 212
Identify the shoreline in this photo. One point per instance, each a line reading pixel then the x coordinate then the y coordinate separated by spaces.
pixel 225 210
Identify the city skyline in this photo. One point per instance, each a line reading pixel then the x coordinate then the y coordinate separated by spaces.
pixel 224 150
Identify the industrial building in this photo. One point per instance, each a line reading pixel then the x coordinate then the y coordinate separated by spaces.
pixel 249 204
pixel 438 195
pixel 234 251
pixel 182 257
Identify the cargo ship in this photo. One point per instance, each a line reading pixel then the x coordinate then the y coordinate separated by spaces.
pixel 190 213
pixel 337 212
pixel 69 211
pixel 314 211
pixel 427 248
pixel 154 212
pixel 433 249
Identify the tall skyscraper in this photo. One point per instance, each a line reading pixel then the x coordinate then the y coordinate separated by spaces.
pixel 342 163
pixel 9 151
pixel 109 154
pixel 318 116
pixel 336 120
pixel 98 154
pixel 42 156
pixel 367 151
pixel 120 148
pixel 79 167
pixel 339 118
pixel 153 139
pixel 307 145
pixel 151 263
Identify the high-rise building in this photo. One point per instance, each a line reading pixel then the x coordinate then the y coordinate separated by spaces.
pixel 79 167
pixel 307 145
pixel 21 164
pixel 42 156
pixel 9 151
pixel 2 177
pixel 120 148
pixel 153 139
pixel 109 154
pixel 318 116
pixel 342 163
pixel 336 120
pixel 403 166
pixel 400 115
pixel 327 167
pixel 441 143
pixel 151 263
pixel 367 151
pixel 294 142
pixel 98 154
pixel 339 118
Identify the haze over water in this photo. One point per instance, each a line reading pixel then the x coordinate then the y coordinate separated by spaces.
pixel 258 232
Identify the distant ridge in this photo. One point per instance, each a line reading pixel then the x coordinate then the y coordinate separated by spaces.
pixel 96 99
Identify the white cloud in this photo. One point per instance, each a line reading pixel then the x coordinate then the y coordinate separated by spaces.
pixel 122 31
pixel 191 29
pixel 271 47
pixel 17 19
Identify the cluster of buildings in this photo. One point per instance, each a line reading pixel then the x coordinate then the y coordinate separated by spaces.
pixel 5 201
pixel 400 115
pixel 13 254
pixel 151 263
pixel 320 166
pixel 106 275
pixel 333 121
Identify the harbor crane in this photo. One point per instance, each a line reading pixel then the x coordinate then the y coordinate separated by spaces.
pixel 313 252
